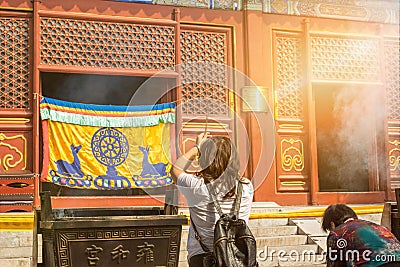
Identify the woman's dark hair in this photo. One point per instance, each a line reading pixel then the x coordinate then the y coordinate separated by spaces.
pixel 219 158
pixel 338 214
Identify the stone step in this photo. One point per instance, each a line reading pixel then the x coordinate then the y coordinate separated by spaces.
pixel 309 226
pixel 268 232
pixel 279 230
pixel 15 262
pixel 284 261
pixel 303 248
pixel 267 222
pixel 270 241
pixel 265 207
pixel 317 261
pixel 16 248
pixel 320 241
pixel 256 207
pixel 15 252
pixel 10 239
pixel 282 240
pixel 288 256
pixel 281 262
pixel 312 228
pixel 272 251
pixel 268 252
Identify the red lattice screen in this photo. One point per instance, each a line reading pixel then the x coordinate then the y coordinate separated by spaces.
pixel 84 43
pixel 204 84
pixel 14 62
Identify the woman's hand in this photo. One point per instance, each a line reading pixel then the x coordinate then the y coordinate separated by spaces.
pixel 184 161
pixel 201 137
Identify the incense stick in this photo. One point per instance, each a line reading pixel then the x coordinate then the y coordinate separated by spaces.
pixel 205 128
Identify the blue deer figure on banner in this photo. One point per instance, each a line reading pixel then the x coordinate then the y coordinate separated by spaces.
pixel 149 169
pixel 71 169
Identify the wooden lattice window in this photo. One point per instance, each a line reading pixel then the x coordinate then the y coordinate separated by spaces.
pixel 289 94
pixel 204 74
pixel 392 78
pixel 14 62
pixel 345 59
pixel 84 43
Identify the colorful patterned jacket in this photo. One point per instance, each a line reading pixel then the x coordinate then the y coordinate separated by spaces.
pixel 361 243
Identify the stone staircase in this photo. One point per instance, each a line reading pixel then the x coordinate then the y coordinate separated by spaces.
pixel 283 241
pixel 280 241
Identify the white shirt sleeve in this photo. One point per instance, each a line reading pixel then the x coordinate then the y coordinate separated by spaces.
pixel 193 188
pixel 188 180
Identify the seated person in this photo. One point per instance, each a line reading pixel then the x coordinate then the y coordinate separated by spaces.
pixel 355 242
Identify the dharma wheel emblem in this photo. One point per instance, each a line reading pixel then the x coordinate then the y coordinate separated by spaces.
pixel 110 147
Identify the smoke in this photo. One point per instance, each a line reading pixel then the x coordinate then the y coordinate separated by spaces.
pixel 347 143
pixel 91 89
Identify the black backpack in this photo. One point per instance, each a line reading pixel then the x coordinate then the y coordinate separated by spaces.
pixel 234 244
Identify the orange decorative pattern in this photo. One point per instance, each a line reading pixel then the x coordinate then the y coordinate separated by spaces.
pixel 394 156
pixel 292 155
pixel 394 162
pixel 11 156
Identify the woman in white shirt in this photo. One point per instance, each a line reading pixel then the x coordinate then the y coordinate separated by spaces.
pixel 220 165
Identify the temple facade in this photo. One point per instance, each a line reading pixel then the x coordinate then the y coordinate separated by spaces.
pixel 309 90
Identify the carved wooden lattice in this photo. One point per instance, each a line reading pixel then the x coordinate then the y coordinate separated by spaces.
pixel 204 74
pixel 289 94
pixel 83 43
pixel 345 59
pixel 392 78
pixel 14 61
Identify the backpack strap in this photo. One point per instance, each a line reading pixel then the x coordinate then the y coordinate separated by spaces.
pixel 236 203
pixel 197 236
pixel 218 207
pixel 238 200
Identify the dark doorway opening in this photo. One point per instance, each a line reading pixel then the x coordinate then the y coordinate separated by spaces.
pixel 106 89
pixel 349 123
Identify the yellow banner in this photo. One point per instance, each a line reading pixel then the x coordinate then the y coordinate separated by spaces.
pixel 89 157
